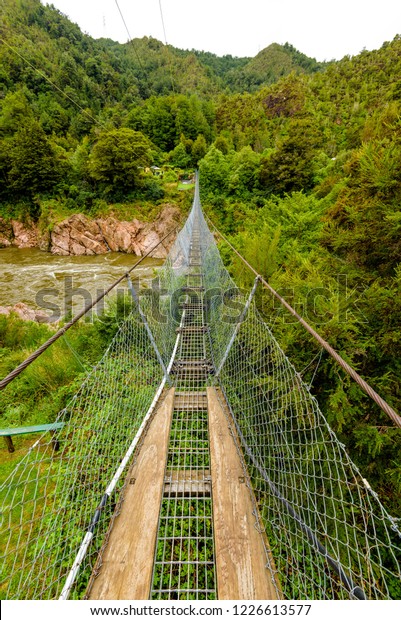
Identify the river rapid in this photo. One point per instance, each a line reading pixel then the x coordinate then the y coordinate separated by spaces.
pixel 59 285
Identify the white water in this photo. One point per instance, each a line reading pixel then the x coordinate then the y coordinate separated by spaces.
pixel 44 281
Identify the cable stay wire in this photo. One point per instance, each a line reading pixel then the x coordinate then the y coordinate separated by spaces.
pixel 162 18
pixel 316 369
pixel 130 39
pixel 75 353
pixel 96 121
pixel 45 77
pixel 319 355
pixel 17 371
pixel 50 501
pixel 167 48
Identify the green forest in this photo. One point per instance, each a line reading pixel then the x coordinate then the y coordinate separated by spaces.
pixel 300 166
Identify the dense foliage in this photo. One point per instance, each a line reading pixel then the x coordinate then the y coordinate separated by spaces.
pixel 309 186
pixel 300 163
pixel 63 92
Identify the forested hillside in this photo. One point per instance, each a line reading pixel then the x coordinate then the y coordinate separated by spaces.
pixel 300 165
pixel 62 91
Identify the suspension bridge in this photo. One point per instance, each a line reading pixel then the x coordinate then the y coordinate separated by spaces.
pixel 194 463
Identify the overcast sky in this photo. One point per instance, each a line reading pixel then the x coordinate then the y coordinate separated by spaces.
pixel 322 29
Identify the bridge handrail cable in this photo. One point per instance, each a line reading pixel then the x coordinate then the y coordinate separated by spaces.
pixel 384 406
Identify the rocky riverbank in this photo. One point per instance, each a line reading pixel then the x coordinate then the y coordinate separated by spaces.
pixel 79 235
pixel 24 312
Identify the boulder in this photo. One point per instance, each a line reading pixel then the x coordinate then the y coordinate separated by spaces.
pixel 25 313
pixel 167 220
pixel 78 235
pixel 120 236
pixel 18 234
pixel 25 236
pixel 107 228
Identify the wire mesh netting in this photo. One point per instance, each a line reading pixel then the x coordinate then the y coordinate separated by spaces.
pixel 328 532
pixel 329 535
pixel 56 493
pixel 50 498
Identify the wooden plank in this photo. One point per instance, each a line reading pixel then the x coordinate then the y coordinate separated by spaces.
pixel 192 401
pixel 240 554
pixel 127 563
pixel 196 394
pixel 187 483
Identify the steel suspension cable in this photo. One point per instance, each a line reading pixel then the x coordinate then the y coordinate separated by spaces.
pixel 130 39
pixel 63 93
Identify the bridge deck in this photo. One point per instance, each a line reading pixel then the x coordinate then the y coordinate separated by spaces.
pixel 241 552
pixel 125 569
pixel 187 529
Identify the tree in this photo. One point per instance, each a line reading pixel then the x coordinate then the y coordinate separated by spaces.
pixel 156 119
pixel 14 110
pixel 244 172
pixel 34 166
pixel 179 156
pixel 222 144
pixel 190 119
pixel 82 123
pixel 290 167
pixel 118 158
pixel 199 149
pixel 214 172
pixel 4 167
pixel 53 117
pixel 364 224
pixel 286 98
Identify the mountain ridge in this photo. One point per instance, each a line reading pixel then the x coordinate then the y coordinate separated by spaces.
pixel 147 63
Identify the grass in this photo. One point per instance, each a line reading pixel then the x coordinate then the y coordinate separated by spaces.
pixel 184 566
pixel 186 186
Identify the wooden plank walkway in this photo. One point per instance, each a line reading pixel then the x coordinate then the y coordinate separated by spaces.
pixel 127 563
pixel 240 554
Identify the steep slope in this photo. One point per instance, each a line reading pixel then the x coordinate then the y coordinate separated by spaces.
pixel 98 71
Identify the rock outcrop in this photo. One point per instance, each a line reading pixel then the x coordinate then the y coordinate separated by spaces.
pixel 25 312
pixel 24 236
pixel 18 234
pixel 78 235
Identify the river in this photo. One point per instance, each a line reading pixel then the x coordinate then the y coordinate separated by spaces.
pixel 61 284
